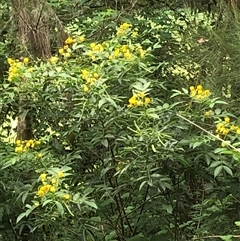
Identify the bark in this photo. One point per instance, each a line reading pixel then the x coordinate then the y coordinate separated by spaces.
pixel 35 20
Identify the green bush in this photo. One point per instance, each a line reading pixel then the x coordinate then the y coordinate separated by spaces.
pixel 131 139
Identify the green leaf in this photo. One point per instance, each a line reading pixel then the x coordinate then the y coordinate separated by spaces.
pixel 91 204
pixel 59 208
pixel 218 111
pixel 101 103
pixel 218 170
pixel 76 197
pixel 185 91
pixel 154 116
pixel 228 170
pixel 168 208
pixel 20 217
pixel 226 238
pixel 46 202
pixel 24 196
pixel 237 223
pixel 215 164
pixel 112 102
pixel 196 144
pixel 142 184
pixel 105 143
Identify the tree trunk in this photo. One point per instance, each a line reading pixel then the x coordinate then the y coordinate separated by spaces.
pixel 35 20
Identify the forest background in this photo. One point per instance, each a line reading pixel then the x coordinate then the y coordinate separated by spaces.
pixel 119 120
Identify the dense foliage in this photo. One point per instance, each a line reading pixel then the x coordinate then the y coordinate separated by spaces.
pixel 125 130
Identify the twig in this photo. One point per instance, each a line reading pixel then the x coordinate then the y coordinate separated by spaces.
pixel 216 137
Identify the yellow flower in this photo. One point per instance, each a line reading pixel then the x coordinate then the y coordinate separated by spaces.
pixel 232 127
pixel 127 55
pixel 53 60
pixel 40 155
pixel 18 149
pixel 61 51
pixel 193 93
pixel 18 142
pixel 30 141
pixel 54 181
pixel 96 75
pixel 10 61
pixel 82 38
pixel 124 48
pixel 132 100
pixel 43 177
pixel 85 88
pixel 25 60
pixel 207 113
pixel 30 70
pixel 117 52
pixel 238 131
pixel 67 55
pixel 60 174
pixel 65 47
pixel 66 196
pixel 84 74
pixel 225 132
pixel 222 129
pixel 52 189
pixel 92 45
pixel 227 119
pixel 142 53
pixel 147 100
pixel 206 92
pixel 36 204
pixel 125 26
pixel 40 193
pixel 70 40
pixel 45 188
pixel 38 142
pixel 191 88
pixel 199 87
pixel 28 144
pixel 134 33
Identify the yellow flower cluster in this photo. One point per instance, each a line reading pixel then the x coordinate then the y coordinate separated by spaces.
pixel 123 28
pixel 126 52
pixel 15 66
pixel 139 99
pixel 70 40
pixel 53 59
pixel 208 113
pixel 95 50
pixel 50 184
pixel 65 51
pixel 198 92
pixel 225 127
pixel 90 79
pixel 23 146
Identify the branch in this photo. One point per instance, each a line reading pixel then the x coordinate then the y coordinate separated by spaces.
pixel 216 137
pixel 141 211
